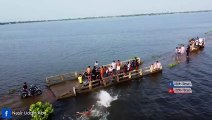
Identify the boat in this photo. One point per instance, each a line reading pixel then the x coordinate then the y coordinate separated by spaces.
pixel 199 46
pixel 66 85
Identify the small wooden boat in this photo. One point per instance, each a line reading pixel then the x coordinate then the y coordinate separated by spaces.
pixel 196 44
pixel 66 85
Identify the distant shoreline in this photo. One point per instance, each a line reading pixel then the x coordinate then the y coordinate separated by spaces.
pixel 131 15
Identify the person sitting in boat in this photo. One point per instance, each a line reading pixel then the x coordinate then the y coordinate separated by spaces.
pixel 128 66
pixel 94 73
pixel 133 64
pixel 201 42
pixel 88 70
pixel 110 69
pixel 86 81
pixel 151 68
pixel 86 113
pixel 25 86
pixel 155 66
pixel 158 65
pixel 106 71
pixel 80 79
pixel 197 43
pixel 136 64
pixel 118 65
pixel 113 66
pixel 102 72
pixel 192 45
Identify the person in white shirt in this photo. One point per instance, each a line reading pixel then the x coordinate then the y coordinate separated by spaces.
pixel 110 69
pixel 155 66
pixel 113 65
pixel 128 66
pixel 96 64
pixel 151 68
pixel 197 42
pixel 201 42
pixel 118 65
pixel 158 64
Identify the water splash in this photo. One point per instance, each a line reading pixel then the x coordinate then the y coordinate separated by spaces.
pixel 100 114
pixel 95 114
pixel 105 99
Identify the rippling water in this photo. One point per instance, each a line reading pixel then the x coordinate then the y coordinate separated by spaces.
pixel 31 52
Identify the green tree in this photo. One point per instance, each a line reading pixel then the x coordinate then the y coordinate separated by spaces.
pixel 41 111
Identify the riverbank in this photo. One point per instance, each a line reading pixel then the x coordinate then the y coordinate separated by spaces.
pixel 100 17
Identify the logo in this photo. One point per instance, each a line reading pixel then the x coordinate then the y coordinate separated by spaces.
pixel 180 87
pixel 180 84
pixel 6 113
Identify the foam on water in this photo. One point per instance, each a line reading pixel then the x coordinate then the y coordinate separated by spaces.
pixel 105 99
pixel 95 114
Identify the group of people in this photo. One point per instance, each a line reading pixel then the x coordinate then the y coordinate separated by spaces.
pixel 156 66
pixel 180 50
pixel 198 42
pixel 194 43
pixel 99 72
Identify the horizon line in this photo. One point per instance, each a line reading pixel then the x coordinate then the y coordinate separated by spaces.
pixel 101 17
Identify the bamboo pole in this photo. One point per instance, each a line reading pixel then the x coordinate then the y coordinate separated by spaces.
pixel 74 90
pixel 141 72
pixel 130 75
pixel 104 82
pixel 117 78
pixel 90 85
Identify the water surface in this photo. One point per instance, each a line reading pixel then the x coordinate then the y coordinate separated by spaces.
pixel 31 52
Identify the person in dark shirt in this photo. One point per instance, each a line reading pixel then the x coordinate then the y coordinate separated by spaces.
pixel 94 73
pixel 25 86
pixel 188 51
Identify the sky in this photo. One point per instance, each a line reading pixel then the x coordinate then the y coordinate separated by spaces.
pixel 25 10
